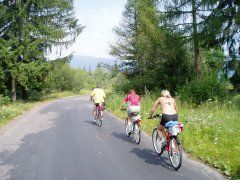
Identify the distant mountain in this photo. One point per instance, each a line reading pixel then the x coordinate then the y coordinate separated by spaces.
pixel 88 62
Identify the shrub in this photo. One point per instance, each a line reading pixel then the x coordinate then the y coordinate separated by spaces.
pixel 236 100
pixel 35 95
pixel 4 100
pixel 210 87
pixel 120 84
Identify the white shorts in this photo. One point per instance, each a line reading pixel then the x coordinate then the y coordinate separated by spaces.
pixel 133 109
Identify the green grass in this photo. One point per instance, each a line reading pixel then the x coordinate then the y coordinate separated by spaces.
pixel 8 112
pixel 212 131
pixel 12 110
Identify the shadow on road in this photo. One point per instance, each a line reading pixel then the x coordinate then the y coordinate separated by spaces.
pixel 89 122
pixel 122 136
pixel 150 157
pixel 15 164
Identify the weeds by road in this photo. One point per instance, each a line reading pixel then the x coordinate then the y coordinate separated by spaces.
pixel 12 110
pixel 212 131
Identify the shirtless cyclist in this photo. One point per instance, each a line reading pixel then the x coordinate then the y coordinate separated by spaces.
pixel 169 110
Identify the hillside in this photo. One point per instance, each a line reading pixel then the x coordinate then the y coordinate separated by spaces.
pixel 88 62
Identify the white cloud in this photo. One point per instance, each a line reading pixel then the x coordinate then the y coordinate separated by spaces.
pixel 99 22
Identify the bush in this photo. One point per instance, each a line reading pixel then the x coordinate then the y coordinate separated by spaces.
pixel 236 101
pixel 120 84
pixel 200 91
pixel 4 100
pixel 35 95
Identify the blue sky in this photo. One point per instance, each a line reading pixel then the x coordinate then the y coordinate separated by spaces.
pixel 99 17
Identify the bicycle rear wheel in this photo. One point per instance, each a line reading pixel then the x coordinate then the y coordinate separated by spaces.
pixel 100 118
pixel 127 128
pixel 100 122
pixel 175 153
pixel 156 140
pixel 137 133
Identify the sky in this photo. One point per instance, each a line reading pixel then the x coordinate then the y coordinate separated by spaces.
pixel 99 17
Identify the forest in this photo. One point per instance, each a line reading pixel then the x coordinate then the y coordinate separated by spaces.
pixel 190 47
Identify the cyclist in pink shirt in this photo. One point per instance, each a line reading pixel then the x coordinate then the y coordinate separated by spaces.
pixel 133 101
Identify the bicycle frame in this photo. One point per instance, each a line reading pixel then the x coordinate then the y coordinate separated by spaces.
pixel 173 144
pixel 134 128
pixel 135 115
pixel 98 112
pixel 169 136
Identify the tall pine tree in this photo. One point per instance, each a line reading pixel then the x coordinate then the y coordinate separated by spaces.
pixel 27 29
pixel 139 36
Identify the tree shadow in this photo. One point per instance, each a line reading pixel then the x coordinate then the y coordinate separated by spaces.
pixel 150 157
pixel 15 164
pixel 123 136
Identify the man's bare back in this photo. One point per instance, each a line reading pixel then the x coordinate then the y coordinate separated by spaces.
pixel 168 105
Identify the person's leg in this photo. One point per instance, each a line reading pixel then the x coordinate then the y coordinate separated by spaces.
pixel 161 131
pixel 129 119
pixel 94 112
pixel 129 111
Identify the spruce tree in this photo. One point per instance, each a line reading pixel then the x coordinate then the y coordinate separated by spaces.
pixel 28 28
pixel 139 36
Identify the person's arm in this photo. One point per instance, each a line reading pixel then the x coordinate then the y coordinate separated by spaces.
pixel 92 95
pixel 139 99
pixel 125 100
pixel 154 108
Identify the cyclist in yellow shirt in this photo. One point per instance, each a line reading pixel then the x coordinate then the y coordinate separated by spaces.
pixel 98 97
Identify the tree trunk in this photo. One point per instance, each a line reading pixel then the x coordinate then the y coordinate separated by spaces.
pixel 25 93
pixel 14 87
pixel 196 42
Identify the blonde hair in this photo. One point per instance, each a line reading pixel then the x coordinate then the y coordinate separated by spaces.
pixel 166 93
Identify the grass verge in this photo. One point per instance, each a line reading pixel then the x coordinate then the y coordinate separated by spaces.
pixel 12 110
pixel 212 131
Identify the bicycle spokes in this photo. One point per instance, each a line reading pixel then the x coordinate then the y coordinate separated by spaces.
pixel 137 133
pixel 175 153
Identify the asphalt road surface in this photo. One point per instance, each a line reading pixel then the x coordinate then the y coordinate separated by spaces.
pixel 57 141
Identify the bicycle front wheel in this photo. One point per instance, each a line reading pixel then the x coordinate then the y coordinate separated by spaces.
pixel 137 133
pixel 175 153
pixel 157 142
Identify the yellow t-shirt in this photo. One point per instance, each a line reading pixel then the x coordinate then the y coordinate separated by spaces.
pixel 98 95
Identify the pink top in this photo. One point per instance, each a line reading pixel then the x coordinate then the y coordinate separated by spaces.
pixel 133 99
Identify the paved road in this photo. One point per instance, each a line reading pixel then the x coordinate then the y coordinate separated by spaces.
pixel 57 141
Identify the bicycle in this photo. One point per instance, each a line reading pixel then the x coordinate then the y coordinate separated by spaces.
pixel 99 114
pixel 134 127
pixel 171 144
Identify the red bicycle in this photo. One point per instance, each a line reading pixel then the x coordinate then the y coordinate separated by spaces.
pixel 171 144
pixel 99 114
pixel 134 127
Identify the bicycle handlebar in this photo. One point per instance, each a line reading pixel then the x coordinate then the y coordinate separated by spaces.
pixel 123 109
pixel 155 116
